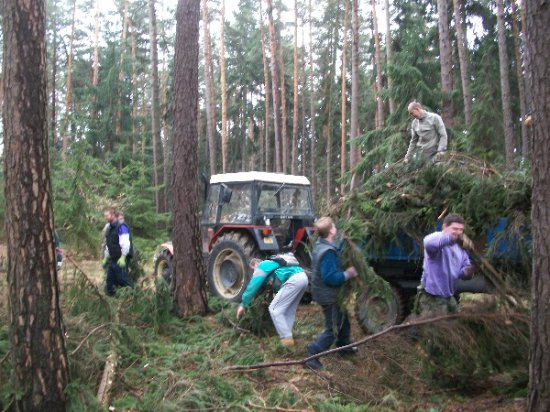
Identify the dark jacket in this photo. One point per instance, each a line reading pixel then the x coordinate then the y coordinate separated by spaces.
pixel 327 275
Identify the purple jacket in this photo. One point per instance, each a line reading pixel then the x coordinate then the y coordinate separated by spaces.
pixel 444 264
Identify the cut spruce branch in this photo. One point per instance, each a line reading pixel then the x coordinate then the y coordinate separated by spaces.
pixel 83 341
pixel 109 370
pixel 420 322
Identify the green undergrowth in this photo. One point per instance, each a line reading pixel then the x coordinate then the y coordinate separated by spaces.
pixel 170 364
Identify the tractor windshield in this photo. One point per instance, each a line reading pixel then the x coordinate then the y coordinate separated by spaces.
pixel 284 199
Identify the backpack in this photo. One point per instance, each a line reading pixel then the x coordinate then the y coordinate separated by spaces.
pixel 285 259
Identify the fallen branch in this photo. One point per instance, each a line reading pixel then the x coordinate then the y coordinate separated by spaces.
pixel 5 357
pixel 376 336
pixel 87 336
pixel 87 279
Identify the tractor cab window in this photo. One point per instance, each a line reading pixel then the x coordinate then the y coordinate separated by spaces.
pixel 211 206
pixel 238 209
pixel 284 199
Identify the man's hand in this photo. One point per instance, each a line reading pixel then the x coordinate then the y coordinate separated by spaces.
pixel 240 311
pixel 351 273
pixel 105 263
pixel 465 242
pixel 439 157
pixel 469 272
pixel 122 262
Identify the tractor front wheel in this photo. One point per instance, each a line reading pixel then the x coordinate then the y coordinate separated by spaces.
pixel 163 266
pixel 228 271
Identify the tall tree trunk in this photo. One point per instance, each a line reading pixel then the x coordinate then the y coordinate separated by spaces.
pixel 118 114
pixel 65 144
pixel 313 171
pixel 521 81
pixel 354 152
pixel 275 88
pixel 303 129
pixel 463 58
pixel 328 125
pixel 527 144
pixel 189 280
pixel 505 87
pixel 445 59
pixel 344 100
pixel 135 95
pixel 224 90
pixel 378 64
pixel 53 103
pixel 284 134
pixel 155 111
pixel 389 52
pixel 267 88
pixel 538 56
pixel 39 358
pixel 295 106
pixel 210 96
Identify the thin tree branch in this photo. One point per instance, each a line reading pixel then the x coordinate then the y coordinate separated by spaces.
pixel 87 336
pixel 87 279
pixel 376 336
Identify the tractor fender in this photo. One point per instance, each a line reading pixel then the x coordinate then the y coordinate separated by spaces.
pixel 265 242
pixel 303 234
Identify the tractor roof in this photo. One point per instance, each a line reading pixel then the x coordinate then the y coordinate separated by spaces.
pixel 260 177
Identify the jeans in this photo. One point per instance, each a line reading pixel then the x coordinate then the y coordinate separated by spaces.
pixel 337 327
pixel 117 276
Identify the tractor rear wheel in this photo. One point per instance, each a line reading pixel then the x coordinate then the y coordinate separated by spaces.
pixel 376 313
pixel 228 270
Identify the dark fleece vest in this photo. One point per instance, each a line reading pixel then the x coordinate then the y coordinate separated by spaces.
pixel 322 293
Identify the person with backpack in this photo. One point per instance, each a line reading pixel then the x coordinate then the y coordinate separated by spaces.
pixel 289 283
pixel 117 252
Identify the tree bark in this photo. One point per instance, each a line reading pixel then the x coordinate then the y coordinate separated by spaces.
pixel 295 105
pixel 189 280
pixel 354 152
pixel 155 112
pixel 447 112
pixel 378 64
pixel 521 81
pixel 538 56
pixel 135 94
pixel 38 354
pixel 275 88
pixel 223 90
pixel 344 100
pixel 389 52
pixel 462 46
pixel 313 171
pixel 210 96
pixel 65 144
pixel 505 87
pixel 267 88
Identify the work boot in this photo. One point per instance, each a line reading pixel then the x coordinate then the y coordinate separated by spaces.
pixel 314 364
pixel 349 351
pixel 287 342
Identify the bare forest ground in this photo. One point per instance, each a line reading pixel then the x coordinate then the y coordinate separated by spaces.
pixel 170 364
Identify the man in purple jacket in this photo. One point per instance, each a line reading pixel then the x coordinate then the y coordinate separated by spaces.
pixel 445 262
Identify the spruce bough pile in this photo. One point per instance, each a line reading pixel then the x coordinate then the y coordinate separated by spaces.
pixel 405 201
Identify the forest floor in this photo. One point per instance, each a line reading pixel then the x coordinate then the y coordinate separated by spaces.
pixel 166 363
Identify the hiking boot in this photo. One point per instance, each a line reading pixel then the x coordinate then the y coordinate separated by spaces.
pixel 287 342
pixel 314 364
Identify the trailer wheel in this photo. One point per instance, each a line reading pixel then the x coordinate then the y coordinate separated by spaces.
pixel 228 271
pixel 375 313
